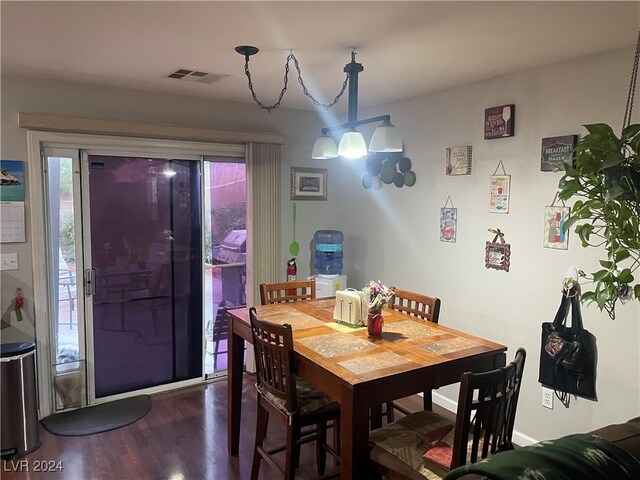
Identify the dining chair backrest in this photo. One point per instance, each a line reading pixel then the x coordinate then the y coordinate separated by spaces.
pixel 487 406
pixel 416 304
pixel 283 292
pixel 275 360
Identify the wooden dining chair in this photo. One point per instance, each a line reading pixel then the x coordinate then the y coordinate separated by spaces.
pixel 219 333
pixel 67 280
pixel 415 304
pixel 290 399
pixel 424 443
pixel 420 306
pixel 283 292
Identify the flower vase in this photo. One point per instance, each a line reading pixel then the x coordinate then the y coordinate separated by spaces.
pixel 374 323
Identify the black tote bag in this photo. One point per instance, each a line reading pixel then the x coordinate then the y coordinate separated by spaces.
pixel 568 355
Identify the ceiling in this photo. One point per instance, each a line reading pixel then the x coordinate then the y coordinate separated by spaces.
pixel 407 48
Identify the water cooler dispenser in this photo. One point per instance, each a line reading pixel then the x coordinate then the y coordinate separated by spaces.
pixel 327 262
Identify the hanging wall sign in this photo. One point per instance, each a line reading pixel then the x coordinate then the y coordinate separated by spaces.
pixel 497 252
pixel 448 222
pixel 499 121
pixel 554 218
pixel 500 190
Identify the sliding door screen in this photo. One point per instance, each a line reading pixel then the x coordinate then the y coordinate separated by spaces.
pixel 145 248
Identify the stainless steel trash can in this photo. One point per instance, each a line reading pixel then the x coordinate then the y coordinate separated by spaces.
pixel 18 398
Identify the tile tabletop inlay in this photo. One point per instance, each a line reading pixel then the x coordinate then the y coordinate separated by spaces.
pixel 335 344
pixel 373 362
pixel 412 329
pixel 284 314
pixel 449 345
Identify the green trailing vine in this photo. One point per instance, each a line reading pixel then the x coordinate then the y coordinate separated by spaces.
pixel 606 180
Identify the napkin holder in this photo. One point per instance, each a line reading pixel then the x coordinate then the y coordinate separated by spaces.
pixel 351 307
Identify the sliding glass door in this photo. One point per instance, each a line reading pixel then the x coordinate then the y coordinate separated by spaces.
pixel 67 329
pixel 125 254
pixel 225 230
pixel 146 252
pixel 145 271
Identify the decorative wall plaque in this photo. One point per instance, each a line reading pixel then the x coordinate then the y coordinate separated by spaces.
pixel 499 121
pixel 388 168
pixel 557 151
pixel 459 160
pixel 497 252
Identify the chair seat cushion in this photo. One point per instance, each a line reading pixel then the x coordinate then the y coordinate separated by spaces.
pixel 310 399
pixel 401 445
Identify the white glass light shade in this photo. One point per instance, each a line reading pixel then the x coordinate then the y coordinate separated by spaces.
pixel 324 147
pixel 386 139
pixel 352 145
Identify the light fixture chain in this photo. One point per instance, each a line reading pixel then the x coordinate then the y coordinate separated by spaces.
pixel 325 106
pixel 253 93
pixel 632 86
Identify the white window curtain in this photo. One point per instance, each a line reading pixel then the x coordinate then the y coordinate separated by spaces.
pixel 263 217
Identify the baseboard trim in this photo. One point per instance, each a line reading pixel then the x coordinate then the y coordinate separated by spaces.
pixel 519 438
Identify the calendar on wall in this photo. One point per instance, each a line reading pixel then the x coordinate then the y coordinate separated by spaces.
pixel 12 201
pixel 12 215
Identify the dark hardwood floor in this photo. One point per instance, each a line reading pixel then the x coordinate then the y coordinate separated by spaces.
pixel 183 437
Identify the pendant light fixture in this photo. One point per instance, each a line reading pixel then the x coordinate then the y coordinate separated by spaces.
pixel 352 145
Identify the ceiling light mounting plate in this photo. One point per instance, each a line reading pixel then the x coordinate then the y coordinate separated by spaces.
pixel 247 50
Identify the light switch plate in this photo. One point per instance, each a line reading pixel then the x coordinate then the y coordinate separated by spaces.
pixel 9 261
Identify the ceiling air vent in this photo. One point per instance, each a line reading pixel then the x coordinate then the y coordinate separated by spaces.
pixel 195 75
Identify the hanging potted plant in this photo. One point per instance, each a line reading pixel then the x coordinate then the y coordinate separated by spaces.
pixel 606 182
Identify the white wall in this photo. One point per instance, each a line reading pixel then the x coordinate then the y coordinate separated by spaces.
pixel 392 234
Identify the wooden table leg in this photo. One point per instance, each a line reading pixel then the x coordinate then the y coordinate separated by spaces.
pixel 355 437
pixel 376 417
pixel 234 388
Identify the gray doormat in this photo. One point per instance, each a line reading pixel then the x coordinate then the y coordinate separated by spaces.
pixel 99 418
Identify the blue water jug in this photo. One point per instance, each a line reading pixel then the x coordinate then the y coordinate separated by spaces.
pixel 328 252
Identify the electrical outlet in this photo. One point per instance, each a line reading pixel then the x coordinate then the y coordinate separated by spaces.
pixel 547 398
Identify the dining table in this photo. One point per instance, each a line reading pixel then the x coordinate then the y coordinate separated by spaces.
pixel 359 371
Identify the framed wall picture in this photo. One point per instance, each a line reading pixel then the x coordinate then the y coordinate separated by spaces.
pixel 308 183
pixel 557 151
pixel 499 121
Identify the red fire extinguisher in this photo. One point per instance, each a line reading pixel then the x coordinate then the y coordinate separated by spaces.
pixel 292 274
